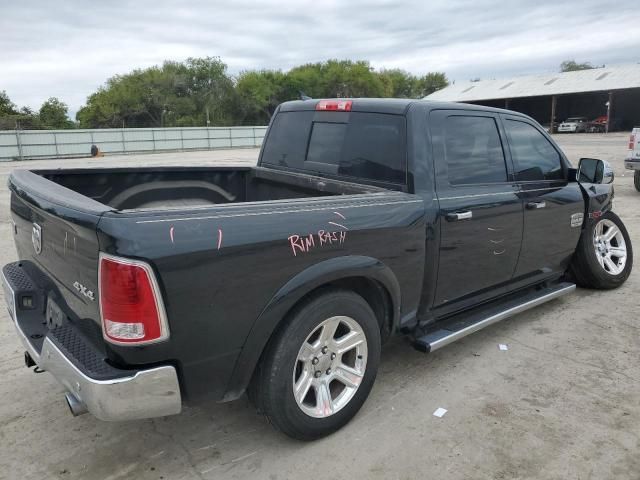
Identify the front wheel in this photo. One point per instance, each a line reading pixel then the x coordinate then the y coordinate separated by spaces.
pixel 636 179
pixel 319 369
pixel 604 256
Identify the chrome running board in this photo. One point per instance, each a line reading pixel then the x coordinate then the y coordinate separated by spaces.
pixel 453 330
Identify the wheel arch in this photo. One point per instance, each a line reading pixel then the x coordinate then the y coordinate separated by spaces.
pixel 366 276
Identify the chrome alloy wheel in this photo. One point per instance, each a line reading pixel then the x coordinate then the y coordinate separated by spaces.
pixel 610 247
pixel 330 367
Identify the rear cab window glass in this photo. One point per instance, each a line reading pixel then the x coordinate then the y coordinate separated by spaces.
pixel 357 144
pixel 533 155
pixel 473 150
pixel 325 145
pixel 286 144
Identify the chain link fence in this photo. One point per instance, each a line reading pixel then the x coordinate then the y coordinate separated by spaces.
pixel 34 144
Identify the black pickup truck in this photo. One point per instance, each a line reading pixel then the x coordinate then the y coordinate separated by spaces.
pixel 142 288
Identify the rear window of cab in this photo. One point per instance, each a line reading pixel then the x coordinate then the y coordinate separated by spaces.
pixel 348 144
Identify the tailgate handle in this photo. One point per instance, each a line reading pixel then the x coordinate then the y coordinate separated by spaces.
pixel 455 216
pixel 535 205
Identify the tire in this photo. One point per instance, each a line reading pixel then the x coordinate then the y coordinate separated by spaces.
pixel 281 367
pixel 636 179
pixel 588 270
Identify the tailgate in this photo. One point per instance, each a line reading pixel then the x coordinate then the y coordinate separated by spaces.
pixel 55 237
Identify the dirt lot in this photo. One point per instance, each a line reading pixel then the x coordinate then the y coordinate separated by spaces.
pixel 561 403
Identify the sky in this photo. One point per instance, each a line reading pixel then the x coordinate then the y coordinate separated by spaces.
pixel 69 48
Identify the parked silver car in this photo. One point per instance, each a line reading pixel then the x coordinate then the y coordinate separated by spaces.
pixel 574 125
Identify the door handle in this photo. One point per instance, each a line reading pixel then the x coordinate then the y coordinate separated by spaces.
pixel 535 205
pixel 455 216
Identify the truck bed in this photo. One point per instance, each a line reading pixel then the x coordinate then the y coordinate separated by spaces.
pixel 175 187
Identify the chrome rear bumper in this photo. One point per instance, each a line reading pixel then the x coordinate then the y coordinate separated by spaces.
pixel 632 164
pixel 126 395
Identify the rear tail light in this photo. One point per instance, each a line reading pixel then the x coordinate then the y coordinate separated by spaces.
pixel 131 306
pixel 632 142
pixel 334 105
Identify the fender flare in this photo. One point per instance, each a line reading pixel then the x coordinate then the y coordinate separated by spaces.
pixel 290 294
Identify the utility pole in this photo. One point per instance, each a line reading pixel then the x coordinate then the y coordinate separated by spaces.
pixel 554 100
pixel 609 103
pixel 208 121
pixel 19 140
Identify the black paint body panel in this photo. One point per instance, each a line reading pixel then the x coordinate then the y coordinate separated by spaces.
pixel 226 269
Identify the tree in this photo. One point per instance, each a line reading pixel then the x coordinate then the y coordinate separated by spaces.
pixel 7 107
pixel 345 78
pixel 431 82
pixel 336 78
pixel 11 117
pixel 53 114
pixel 260 92
pixel 175 94
pixel 199 90
pixel 573 66
pixel 398 83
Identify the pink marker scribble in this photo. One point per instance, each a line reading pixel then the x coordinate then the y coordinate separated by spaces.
pixel 219 238
pixel 171 234
pixel 340 215
pixel 338 225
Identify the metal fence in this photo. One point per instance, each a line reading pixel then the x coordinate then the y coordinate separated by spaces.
pixel 32 144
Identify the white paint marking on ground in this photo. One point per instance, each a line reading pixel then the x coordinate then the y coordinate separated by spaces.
pixel 503 347
pixel 440 412
pixel 207 447
pixel 239 459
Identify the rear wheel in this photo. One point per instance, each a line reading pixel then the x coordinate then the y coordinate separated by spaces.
pixel 604 256
pixel 319 369
pixel 636 179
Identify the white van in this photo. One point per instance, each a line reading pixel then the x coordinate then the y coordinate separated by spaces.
pixel 632 162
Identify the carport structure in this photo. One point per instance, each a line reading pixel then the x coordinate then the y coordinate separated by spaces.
pixel 550 98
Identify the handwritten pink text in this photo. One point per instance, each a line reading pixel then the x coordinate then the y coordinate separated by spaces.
pixel 305 243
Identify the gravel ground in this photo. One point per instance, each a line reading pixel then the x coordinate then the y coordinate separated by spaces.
pixel 560 403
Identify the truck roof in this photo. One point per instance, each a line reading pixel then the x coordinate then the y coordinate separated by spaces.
pixel 398 106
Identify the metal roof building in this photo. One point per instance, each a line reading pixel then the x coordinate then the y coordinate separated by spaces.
pixel 581 93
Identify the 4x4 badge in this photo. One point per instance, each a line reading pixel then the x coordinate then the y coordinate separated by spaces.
pixel 84 291
pixel 36 238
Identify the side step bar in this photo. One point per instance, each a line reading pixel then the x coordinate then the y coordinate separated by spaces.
pixel 454 330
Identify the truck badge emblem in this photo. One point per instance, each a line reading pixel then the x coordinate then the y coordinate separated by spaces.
pixel 576 220
pixel 36 238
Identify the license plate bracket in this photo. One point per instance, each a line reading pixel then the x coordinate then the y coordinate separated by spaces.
pixel 55 316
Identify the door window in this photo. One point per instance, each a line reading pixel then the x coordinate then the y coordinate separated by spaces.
pixel 473 150
pixel 533 155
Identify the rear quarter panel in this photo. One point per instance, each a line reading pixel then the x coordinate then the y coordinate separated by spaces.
pixel 220 267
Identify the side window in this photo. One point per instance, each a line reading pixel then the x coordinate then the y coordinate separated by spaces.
pixel 533 155
pixel 473 150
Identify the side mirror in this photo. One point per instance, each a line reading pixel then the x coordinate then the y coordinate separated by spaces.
pixel 592 170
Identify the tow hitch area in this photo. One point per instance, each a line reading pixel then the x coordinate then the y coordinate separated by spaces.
pixel 28 361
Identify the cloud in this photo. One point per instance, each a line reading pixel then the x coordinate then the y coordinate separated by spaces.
pixel 68 49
